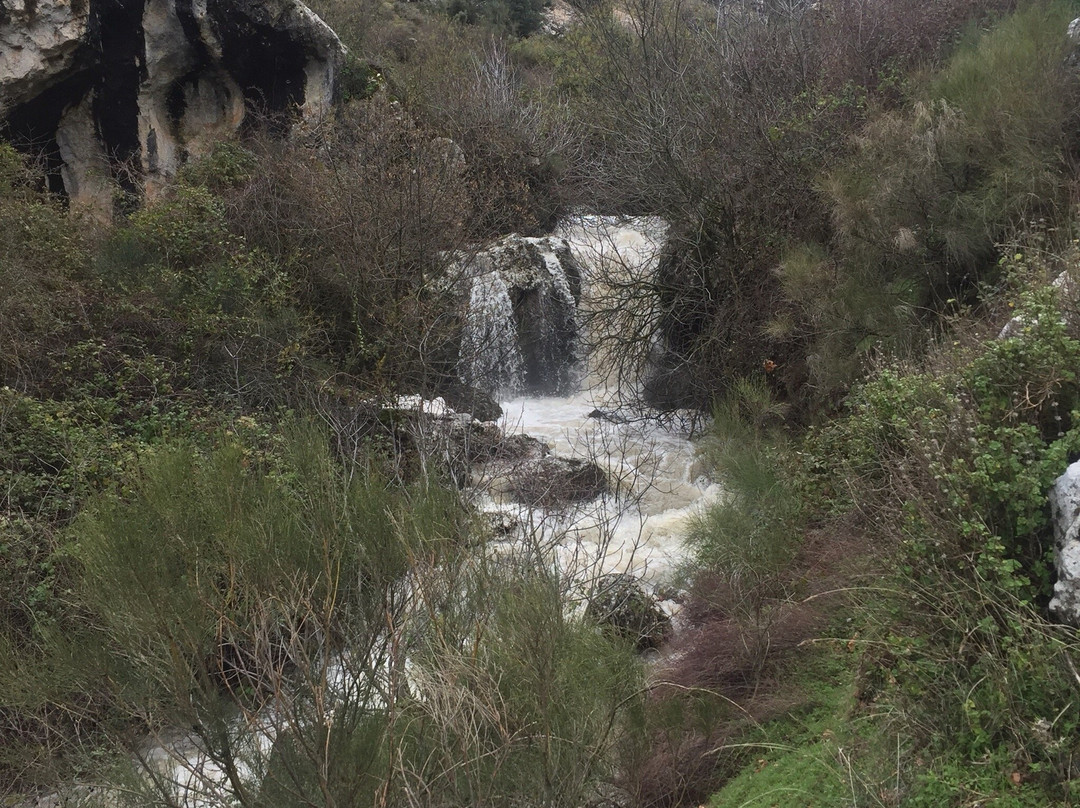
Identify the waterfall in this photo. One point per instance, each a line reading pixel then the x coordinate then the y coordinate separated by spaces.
pixel 521 339
pixel 521 325
pixel 490 356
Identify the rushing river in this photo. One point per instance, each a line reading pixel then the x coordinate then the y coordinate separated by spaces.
pixel 657 482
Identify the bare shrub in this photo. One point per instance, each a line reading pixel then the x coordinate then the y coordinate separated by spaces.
pixel 516 148
pixel 874 43
pixel 364 219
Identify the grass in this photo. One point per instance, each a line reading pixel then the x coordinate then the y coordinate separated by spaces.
pixel 830 750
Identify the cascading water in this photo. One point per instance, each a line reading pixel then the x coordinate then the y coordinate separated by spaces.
pixel 521 329
pixel 657 479
pixel 490 356
pixel 521 323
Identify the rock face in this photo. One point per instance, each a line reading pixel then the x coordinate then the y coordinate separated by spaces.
pixel 521 332
pixel 123 91
pixel 1065 513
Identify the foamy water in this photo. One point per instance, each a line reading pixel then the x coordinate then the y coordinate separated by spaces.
pixel 657 481
pixel 657 478
pixel 657 484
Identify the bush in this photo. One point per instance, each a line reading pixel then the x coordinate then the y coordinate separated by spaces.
pixel 930 192
pixel 949 468
pixel 364 222
pixel 236 593
pixel 45 257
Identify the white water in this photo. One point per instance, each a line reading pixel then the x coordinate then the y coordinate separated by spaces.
pixel 489 345
pixel 658 482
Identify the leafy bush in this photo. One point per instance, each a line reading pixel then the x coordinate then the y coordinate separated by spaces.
pixel 517 17
pixel 751 535
pixel 930 192
pixel 949 468
pixel 44 255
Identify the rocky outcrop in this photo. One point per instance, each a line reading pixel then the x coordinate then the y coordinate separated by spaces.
pixel 1067 293
pixel 521 331
pixel 1065 513
pixel 124 91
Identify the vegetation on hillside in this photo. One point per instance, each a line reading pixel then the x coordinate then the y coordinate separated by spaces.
pixel 198 531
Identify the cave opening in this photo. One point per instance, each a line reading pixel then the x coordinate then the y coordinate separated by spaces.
pixel 31 127
pixel 117 34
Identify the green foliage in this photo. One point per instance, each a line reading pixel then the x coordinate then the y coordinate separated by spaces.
pixel 950 465
pixel 360 80
pixel 517 17
pixel 300 591
pixel 237 542
pixel 53 455
pixel 752 534
pixel 30 576
pixel 228 165
pixel 536 696
pixel 931 190
pixel 43 255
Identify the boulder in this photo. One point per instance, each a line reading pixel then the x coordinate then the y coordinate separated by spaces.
pixel 611 416
pixel 480 404
pixel 124 91
pixel 1065 513
pixel 521 331
pixel 620 603
pixel 1067 299
pixel 555 482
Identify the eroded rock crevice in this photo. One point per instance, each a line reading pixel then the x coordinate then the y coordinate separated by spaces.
pixel 120 93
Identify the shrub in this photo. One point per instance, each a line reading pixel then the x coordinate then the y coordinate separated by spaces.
pixel 930 191
pixel 948 467
pixel 364 223
pixel 44 259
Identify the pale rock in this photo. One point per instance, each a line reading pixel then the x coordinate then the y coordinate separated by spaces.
pixel 85 170
pixel 1065 514
pixel 38 44
pixel 1067 293
pixel 155 82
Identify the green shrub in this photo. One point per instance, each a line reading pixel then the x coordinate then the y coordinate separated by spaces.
pixel 751 535
pixel 309 596
pixel 948 467
pixel 930 192
pixel 44 259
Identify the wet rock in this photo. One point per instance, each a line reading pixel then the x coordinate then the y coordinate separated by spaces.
pixel 554 482
pixel 489 443
pixel 124 91
pixel 604 415
pixel 521 329
pixel 478 403
pixel 620 602
pixel 669 384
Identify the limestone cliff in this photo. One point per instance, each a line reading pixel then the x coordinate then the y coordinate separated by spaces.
pixel 123 91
